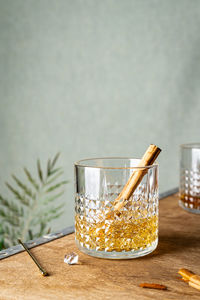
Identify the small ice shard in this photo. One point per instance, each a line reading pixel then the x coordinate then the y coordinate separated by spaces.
pixel 71 258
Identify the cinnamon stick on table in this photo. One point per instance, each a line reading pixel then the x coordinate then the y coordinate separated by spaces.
pixel 148 159
pixel 192 279
pixel 153 286
pixel 185 273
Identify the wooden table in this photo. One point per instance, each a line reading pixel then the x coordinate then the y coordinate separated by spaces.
pixel 93 278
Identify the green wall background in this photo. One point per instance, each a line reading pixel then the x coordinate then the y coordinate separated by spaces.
pixel 96 78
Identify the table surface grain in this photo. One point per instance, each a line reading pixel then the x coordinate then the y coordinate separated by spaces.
pixel 95 278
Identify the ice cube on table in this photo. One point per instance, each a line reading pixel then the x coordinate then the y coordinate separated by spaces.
pixel 71 258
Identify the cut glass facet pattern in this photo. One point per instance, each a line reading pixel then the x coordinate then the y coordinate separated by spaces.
pixel 190 189
pixel 135 228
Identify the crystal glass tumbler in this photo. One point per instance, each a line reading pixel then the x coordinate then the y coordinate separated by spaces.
pixel 189 188
pixel 99 230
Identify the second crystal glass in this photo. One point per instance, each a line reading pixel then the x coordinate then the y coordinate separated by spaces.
pixel 189 188
pixel 130 233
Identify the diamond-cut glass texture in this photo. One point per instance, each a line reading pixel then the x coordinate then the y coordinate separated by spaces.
pixel 190 189
pixel 135 228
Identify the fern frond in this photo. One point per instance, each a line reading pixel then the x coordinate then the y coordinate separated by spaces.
pixel 42 228
pixel 47 214
pixel 55 160
pixel 15 192
pixel 48 167
pixel 40 171
pixel 10 219
pixel 1 242
pixel 23 199
pixel 54 178
pixel 53 217
pixel 30 233
pixel 56 208
pixel 2 213
pixel 27 191
pixel 22 211
pixel 14 208
pixel 31 179
pixel 6 229
pixel 9 205
pixel 53 172
pixel 50 199
pixel 8 242
pixel 4 201
pixel 29 217
pixel 56 186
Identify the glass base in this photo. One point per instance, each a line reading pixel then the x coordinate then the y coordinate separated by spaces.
pixel 192 210
pixel 118 255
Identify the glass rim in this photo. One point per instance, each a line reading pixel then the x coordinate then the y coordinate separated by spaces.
pixel 80 163
pixel 190 146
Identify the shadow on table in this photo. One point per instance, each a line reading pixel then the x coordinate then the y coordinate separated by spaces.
pixel 178 242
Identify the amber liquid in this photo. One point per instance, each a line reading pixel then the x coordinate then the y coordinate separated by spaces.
pixel 190 201
pixel 118 234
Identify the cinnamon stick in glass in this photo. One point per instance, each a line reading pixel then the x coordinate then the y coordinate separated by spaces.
pixel 148 159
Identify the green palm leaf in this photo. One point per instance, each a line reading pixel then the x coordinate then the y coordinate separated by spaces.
pixel 31 180
pixel 56 186
pixel 55 160
pixel 40 171
pixel 20 197
pixel 27 191
pixel 55 177
pixel 51 199
pixel 29 214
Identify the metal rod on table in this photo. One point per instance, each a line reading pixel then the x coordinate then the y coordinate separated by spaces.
pixel 44 273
